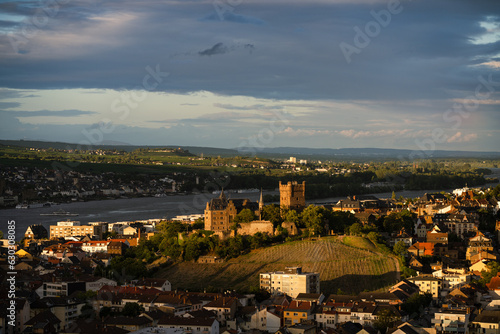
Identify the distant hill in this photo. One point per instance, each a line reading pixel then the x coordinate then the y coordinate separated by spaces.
pixel 280 152
pixel 352 268
pixel 365 153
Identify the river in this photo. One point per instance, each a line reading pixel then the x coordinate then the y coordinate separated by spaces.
pixel 148 208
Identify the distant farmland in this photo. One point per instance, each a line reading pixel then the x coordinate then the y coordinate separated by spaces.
pixel 353 266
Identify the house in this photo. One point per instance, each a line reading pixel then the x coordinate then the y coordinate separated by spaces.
pixel 452 320
pixel 402 236
pixel 478 244
pixel 177 304
pixel 117 247
pixel 302 328
pixel 406 328
pixel 191 325
pixel 452 278
pixel 428 284
pixel 98 282
pixel 494 287
pixel 95 246
pixel 64 308
pixel 422 249
pixel 478 266
pixel 161 284
pixel 36 231
pixel 129 230
pixel 59 288
pixel 291 282
pixel 486 322
pixel 91 326
pixel 298 312
pixel 436 237
pixel 44 322
pixel 224 307
pixel 21 313
pixel 128 323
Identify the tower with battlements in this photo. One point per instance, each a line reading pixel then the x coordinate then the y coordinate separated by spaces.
pixel 293 195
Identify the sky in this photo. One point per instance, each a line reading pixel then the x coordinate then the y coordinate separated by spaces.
pixel 419 75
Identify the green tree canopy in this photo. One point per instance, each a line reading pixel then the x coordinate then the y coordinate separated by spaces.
pixel 132 310
pixel 272 213
pixel 399 248
pixel 312 216
pixel 292 216
pixel 355 229
pixel 244 216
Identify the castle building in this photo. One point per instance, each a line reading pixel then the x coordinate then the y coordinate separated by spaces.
pixel 220 212
pixel 293 195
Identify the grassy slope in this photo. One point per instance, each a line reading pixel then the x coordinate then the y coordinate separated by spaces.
pixel 350 268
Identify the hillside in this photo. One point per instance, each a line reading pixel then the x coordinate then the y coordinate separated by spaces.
pixel 341 266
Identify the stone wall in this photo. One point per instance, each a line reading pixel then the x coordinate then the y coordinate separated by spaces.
pixel 255 226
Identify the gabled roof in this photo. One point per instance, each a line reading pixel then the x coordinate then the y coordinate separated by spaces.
pixel 153 282
pixel 182 321
pixel 223 302
pixel 494 284
pixel 87 326
pixel 488 316
pixel 300 306
pixel 128 321
pixel 43 317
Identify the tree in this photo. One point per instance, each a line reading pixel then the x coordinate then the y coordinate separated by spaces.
pixel 399 248
pixel 386 319
pixel 132 310
pixel 244 216
pixel 272 213
pixel 355 229
pixel 87 312
pixel 492 270
pixel 415 302
pixel 292 216
pixel 397 220
pixel 313 218
pixel 105 311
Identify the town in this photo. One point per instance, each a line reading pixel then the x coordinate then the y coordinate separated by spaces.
pixel 100 276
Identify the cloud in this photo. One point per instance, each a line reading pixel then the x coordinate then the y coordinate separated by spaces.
pixel 295 132
pixel 250 107
pixel 52 113
pixel 379 133
pixel 417 66
pixel 217 49
pixel 230 16
pixel 461 138
pixel 9 105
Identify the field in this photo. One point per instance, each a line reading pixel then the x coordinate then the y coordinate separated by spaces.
pixel 351 268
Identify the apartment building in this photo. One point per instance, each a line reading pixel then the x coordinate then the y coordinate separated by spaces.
pixel 291 282
pixel 67 229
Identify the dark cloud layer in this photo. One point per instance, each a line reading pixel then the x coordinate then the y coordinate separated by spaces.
pixel 420 51
pixel 423 51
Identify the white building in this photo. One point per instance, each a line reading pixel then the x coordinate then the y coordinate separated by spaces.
pixel 453 278
pixel 292 281
pixel 191 325
pixel 95 246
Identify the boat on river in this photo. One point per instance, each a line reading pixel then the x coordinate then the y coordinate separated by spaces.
pixel 59 213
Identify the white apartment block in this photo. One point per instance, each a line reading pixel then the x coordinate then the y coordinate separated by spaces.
pixel 72 229
pixel 291 282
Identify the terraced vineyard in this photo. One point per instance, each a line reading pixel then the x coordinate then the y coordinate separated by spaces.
pixel 340 266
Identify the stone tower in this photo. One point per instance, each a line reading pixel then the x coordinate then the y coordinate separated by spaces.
pixel 293 195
